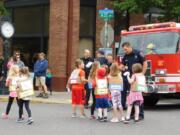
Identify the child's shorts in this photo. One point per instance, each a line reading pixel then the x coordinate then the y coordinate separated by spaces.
pixel 102 103
pixel 116 99
pixel 78 96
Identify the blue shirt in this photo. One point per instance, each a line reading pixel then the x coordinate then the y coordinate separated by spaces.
pixel 40 68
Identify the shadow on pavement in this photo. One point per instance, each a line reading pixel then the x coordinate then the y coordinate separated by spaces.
pixel 163 107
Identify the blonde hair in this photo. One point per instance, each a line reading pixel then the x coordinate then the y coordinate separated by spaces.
pixel 114 69
pixel 93 70
pixel 137 68
pixel 25 71
pixel 13 70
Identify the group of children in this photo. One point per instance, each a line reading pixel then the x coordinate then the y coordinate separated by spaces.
pixel 107 85
pixel 14 81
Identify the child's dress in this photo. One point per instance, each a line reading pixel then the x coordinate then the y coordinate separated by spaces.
pixel 135 95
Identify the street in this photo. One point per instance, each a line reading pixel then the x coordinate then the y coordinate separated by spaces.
pixel 55 119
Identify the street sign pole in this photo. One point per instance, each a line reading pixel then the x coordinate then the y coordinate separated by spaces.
pixel 107 15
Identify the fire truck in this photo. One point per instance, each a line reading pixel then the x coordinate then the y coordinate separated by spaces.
pixel 160 44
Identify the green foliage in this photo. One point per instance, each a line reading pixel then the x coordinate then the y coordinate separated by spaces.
pixel 171 7
pixel 3 10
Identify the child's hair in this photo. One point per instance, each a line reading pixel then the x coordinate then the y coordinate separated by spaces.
pixel 93 70
pixel 78 62
pixel 12 70
pixel 25 71
pixel 114 69
pixel 137 68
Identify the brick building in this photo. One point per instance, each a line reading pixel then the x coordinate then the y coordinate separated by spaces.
pixel 60 28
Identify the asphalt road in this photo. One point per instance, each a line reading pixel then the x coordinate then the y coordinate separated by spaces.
pixel 54 119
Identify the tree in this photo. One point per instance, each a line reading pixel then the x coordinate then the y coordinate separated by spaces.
pixel 3 10
pixel 171 8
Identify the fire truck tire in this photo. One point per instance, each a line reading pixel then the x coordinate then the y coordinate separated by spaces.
pixel 151 100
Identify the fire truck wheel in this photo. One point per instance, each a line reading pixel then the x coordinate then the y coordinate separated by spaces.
pixel 151 100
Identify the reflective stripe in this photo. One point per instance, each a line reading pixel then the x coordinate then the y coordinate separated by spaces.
pixel 168 79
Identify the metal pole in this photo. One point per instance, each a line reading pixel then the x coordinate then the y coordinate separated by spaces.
pixel 106 33
pixel 6 50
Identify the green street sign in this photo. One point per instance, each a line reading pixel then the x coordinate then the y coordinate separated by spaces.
pixel 106 14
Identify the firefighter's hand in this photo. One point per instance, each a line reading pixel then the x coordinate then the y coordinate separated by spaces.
pixel 126 74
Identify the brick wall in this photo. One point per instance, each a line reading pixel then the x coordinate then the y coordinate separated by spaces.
pixel 63 39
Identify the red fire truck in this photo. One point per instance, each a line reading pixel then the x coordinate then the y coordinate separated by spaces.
pixel 160 43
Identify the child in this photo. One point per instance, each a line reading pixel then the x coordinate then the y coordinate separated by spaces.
pixel 25 76
pixel 49 80
pixel 11 82
pixel 101 93
pixel 135 98
pixel 76 84
pixel 10 63
pixel 115 87
pixel 92 75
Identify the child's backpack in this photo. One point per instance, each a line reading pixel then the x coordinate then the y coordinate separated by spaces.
pixel 115 83
pixel 101 87
pixel 75 78
pixel 140 83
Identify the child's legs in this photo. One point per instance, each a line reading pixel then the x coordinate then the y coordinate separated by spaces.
pixel 105 112
pixel 21 102
pixel 10 101
pixel 27 107
pixel 74 108
pixel 115 102
pixel 93 106
pixel 129 109
pixel 100 111
pixel 137 110
pixel 82 109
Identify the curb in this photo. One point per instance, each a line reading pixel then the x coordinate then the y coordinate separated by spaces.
pixel 43 101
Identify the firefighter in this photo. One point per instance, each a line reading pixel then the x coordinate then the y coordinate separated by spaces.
pixel 131 57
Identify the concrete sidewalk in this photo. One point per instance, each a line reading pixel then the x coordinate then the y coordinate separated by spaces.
pixel 55 98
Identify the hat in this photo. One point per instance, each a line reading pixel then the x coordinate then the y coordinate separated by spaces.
pixel 101 72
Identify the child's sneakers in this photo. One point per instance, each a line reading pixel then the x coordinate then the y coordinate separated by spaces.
pixel 114 120
pixel 100 119
pixel 20 120
pixel 74 115
pixel 4 116
pixel 122 119
pixel 82 116
pixel 92 117
pixel 105 119
pixel 127 121
pixel 30 121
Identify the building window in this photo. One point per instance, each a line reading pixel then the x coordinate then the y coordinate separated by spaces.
pixel 87 28
pixel 31 31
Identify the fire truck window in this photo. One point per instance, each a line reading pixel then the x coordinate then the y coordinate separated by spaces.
pixel 165 42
